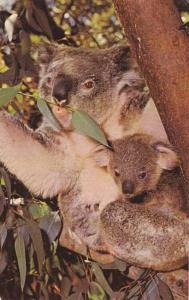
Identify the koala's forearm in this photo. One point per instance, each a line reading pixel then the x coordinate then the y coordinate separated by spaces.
pixel 37 165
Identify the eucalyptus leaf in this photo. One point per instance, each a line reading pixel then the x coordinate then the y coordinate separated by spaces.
pixel 51 224
pixel 47 113
pixel 3 234
pixel 84 124
pixel 9 26
pixel 96 291
pixel 30 17
pixel 7 94
pixel 164 290
pixel 101 279
pixel 42 20
pixel 39 209
pixel 21 258
pixel 3 261
pixel 37 241
pixel 7 182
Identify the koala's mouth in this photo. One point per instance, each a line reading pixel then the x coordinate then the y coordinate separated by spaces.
pixel 138 198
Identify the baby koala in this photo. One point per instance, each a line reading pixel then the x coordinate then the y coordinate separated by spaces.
pixel 143 168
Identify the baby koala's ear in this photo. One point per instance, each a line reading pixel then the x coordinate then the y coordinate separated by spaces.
pixel 102 156
pixel 168 159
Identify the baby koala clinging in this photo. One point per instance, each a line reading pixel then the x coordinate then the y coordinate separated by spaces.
pixel 138 162
pixel 143 168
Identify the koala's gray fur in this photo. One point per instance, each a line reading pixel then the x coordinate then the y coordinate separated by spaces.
pixel 142 166
pixel 116 98
pixel 144 237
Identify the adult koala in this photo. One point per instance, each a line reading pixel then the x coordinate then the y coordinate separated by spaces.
pixel 104 83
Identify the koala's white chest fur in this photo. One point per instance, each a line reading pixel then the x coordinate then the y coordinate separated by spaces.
pixel 97 185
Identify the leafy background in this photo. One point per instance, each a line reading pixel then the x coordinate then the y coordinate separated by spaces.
pixel 32 265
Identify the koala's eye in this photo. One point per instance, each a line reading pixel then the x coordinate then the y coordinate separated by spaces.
pixel 142 175
pixel 88 84
pixel 116 172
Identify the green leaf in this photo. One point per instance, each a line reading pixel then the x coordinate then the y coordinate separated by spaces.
pixel 3 234
pixel 25 42
pixel 101 279
pixel 31 260
pixel 7 182
pixel 45 110
pixel 39 209
pixel 7 94
pixel 3 261
pixel 51 224
pixel 97 292
pixel 164 290
pixel 21 258
pixel 84 124
pixel 43 22
pixel 37 241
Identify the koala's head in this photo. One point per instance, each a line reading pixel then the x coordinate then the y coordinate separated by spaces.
pixel 92 80
pixel 138 162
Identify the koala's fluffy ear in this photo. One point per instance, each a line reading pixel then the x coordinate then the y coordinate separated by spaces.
pixel 46 52
pixel 168 159
pixel 102 156
pixel 121 56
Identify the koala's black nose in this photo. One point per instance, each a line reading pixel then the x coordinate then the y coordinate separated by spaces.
pixel 61 88
pixel 127 187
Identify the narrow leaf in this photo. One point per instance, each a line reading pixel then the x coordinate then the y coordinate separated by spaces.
pixel 2 200
pixel 21 258
pixel 84 124
pixel 96 292
pixel 30 18
pixel 3 261
pixel 7 94
pixel 75 296
pixel 7 182
pixel 39 209
pixel 9 26
pixel 43 22
pixel 101 279
pixel 164 290
pixel 3 234
pixel 25 42
pixel 51 224
pixel 46 112
pixel 37 241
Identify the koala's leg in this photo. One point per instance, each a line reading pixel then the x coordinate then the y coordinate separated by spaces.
pixel 70 241
pixel 81 227
pixel 35 163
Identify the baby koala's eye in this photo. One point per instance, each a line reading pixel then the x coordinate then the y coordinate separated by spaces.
pixel 116 172
pixel 88 84
pixel 142 174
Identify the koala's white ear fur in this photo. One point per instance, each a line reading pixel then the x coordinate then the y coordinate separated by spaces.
pixel 168 159
pixel 102 157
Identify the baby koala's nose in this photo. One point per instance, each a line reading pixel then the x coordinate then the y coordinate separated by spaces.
pixel 127 187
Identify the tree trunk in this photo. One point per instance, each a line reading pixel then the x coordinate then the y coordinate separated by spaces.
pixel 162 52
